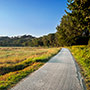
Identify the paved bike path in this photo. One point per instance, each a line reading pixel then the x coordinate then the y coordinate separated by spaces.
pixel 59 73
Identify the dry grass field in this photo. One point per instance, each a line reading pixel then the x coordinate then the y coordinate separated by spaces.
pixel 18 62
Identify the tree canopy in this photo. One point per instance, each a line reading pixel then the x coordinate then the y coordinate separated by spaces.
pixel 75 24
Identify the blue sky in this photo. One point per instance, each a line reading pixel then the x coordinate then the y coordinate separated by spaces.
pixel 35 17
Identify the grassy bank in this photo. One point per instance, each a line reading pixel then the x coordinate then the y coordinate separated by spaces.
pixel 17 63
pixel 82 56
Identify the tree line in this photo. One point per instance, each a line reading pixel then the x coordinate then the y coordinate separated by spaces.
pixel 75 25
pixel 74 29
pixel 28 40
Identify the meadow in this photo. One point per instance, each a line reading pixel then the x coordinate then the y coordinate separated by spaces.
pixel 18 62
pixel 82 57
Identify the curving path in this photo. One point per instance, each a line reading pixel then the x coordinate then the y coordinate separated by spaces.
pixel 59 73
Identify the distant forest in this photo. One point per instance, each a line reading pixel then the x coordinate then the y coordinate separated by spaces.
pixel 74 29
pixel 28 40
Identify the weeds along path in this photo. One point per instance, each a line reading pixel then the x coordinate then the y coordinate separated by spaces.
pixel 59 73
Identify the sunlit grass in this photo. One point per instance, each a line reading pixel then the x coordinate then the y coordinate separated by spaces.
pixel 29 60
pixel 82 56
pixel 15 55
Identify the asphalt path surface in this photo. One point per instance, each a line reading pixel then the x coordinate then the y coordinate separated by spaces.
pixel 59 73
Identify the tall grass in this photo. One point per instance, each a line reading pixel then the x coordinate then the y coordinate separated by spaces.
pixel 12 72
pixel 82 56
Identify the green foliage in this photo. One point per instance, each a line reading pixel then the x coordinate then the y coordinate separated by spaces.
pixel 75 24
pixel 27 40
pixel 89 42
pixel 16 41
pixel 67 32
pixel 80 13
pixel 82 56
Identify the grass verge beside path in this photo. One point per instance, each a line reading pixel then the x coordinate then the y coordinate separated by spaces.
pixel 26 67
pixel 82 57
